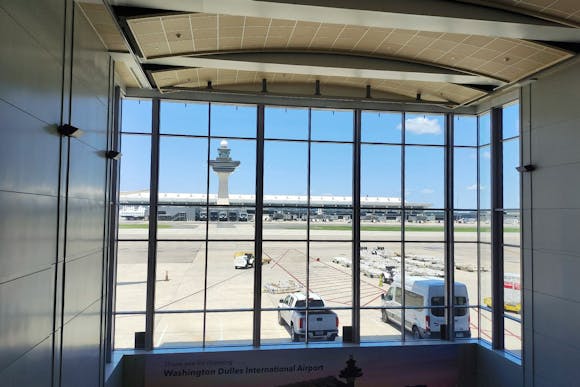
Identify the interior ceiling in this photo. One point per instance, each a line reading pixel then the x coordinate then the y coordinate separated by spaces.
pixel 233 51
pixel 560 9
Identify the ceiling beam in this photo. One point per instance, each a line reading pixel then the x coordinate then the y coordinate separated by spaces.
pixel 323 64
pixel 422 15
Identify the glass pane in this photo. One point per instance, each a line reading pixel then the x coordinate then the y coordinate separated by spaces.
pixel 230 275
pixel 376 325
pixel 465 178
pixel 178 330
pixel 513 336
pixel 286 123
pixel 511 120
pixel 125 328
pixel 512 286
pixel 381 127
pixel 136 116
pixel 226 329
pixel 331 173
pixel 511 227
pixel 485 325
pixel 473 321
pixel 180 276
pixel 274 328
pixel 466 268
pixel 331 282
pixel 485 226
pixel 285 171
pixel 465 226
pixel 424 225
pixel 183 168
pixel 232 172
pixel 233 120
pixel 485 274
pixel 331 223
pixel 511 177
pixel 131 283
pixel 228 222
pixel 133 219
pixel 283 271
pixel 335 125
pixel 184 118
pixel 285 223
pixel 424 177
pixel 485 177
pixel 344 320
pixel 484 129
pixel 425 129
pixel 380 264
pixel 181 222
pixel 424 260
pixel 380 225
pixel 135 163
pixel 380 181
pixel 465 130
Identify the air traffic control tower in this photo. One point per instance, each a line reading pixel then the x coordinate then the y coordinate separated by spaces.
pixel 223 165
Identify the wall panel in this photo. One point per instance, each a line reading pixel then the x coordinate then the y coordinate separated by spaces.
pixel 30 78
pixel 29 153
pixel 27 233
pixel 26 306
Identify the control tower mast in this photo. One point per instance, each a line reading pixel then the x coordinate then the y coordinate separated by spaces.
pixel 224 166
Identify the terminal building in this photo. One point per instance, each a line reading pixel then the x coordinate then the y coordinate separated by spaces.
pixel 174 173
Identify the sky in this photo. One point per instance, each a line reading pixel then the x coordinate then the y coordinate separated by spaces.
pixel 183 160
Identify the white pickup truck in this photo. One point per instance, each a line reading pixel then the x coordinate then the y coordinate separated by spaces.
pixel 322 324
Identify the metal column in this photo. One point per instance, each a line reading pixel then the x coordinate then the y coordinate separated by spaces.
pixel 258 218
pixel 449 229
pixel 152 247
pixel 497 229
pixel 356 156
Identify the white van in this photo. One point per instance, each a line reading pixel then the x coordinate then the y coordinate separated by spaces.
pixel 426 294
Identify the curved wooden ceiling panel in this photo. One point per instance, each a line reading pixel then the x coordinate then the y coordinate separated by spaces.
pixel 559 9
pixel 507 59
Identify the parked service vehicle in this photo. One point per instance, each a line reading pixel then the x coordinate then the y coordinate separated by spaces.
pixel 423 294
pixel 322 324
pixel 512 293
pixel 243 260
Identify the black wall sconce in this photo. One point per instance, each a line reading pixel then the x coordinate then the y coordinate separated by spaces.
pixel 526 168
pixel 114 155
pixel 69 131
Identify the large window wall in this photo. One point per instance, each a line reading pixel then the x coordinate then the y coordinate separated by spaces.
pixel 348 206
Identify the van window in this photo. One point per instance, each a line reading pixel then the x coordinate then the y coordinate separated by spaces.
pixel 398 295
pixel 460 311
pixel 440 301
pixel 413 299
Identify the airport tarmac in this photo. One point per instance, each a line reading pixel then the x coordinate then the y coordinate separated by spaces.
pixel 182 277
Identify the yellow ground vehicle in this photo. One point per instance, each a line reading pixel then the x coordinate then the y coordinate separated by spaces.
pixel 512 293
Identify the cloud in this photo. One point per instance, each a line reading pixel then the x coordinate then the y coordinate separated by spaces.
pixel 472 187
pixel 486 155
pixel 427 191
pixel 422 125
